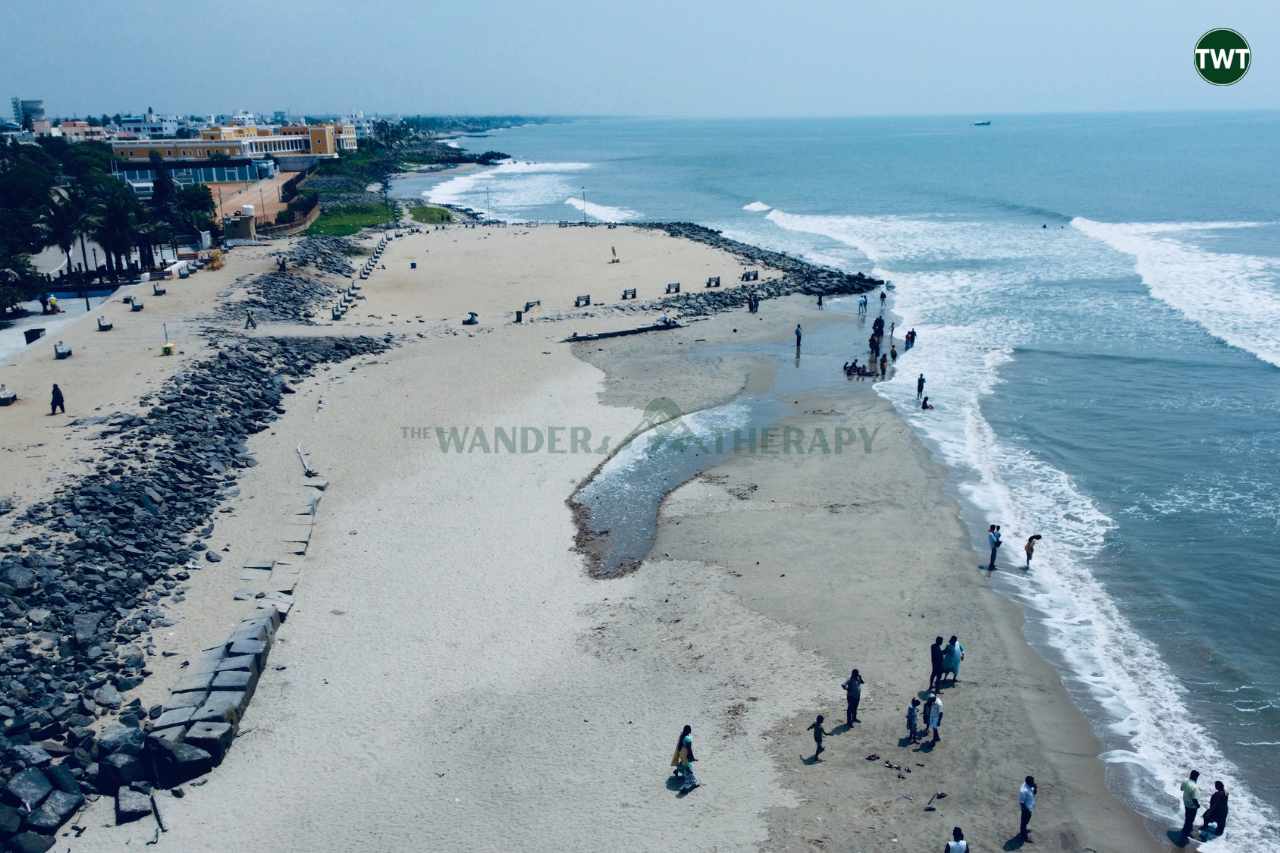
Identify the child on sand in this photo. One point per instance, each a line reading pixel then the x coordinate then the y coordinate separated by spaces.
pixel 818 734
pixel 913 721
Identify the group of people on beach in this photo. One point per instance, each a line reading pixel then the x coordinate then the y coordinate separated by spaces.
pixel 995 542
pixel 1215 815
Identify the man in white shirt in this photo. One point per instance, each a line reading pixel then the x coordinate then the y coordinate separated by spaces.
pixel 1026 804
pixel 1190 803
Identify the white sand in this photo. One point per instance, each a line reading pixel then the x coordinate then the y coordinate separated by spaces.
pixel 451 678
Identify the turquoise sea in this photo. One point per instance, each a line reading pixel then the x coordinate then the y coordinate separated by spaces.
pixel 1098 306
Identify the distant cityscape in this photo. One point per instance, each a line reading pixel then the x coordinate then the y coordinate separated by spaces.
pixel 197 149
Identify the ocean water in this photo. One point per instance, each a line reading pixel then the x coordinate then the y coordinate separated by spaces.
pixel 1098 306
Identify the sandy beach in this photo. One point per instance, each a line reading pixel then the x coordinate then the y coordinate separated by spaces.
pixel 451 678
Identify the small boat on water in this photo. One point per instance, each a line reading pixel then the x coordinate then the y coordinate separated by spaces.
pixel 986 123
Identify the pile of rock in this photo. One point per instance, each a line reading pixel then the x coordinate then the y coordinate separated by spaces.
pixel 285 297
pixel 326 254
pixel 798 276
pixel 81 593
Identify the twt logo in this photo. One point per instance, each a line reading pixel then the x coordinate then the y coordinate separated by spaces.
pixel 1222 57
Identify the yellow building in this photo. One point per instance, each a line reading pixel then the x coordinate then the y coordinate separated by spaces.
pixel 322 141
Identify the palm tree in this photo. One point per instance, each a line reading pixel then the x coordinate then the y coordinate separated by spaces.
pixel 62 221
pixel 117 226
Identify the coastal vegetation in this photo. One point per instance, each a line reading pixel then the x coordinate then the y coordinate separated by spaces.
pixel 348 220
pixel 430 214
pixel 61 194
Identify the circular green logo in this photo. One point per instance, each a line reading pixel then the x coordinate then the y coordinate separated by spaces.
pixel 1222 57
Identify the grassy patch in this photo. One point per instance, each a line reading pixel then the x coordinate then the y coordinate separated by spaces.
pixel 430 215
pixel 348 220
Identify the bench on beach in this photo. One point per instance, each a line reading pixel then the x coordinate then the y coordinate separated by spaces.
pixel 629 293
pixel 713 281
pixel 673 287
pixel 537 303
pixel 582 301
pixel 750 275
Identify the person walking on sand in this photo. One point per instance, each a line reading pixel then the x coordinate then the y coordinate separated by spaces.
pixel 951 657
pixel 819 301
pixel 893 352
pixel 883 297
pixel 676 757
pixel 853 695
pixel 913 720
pixel 893 327
pixel 684 762
pixel 1190 803
pixel 799 334
pixel 935 664
pixel 920 386
pixel 993 540
pixel 56 402
pixel 1026 805
pixel 818 734
pixel 957 844
pixel 249 322
pixel 1216 814
pixel 936 717
pixel 884 365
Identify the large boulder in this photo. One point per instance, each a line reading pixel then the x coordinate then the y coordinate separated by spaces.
pixel 29 787
pixel 56 810
pixel 131 805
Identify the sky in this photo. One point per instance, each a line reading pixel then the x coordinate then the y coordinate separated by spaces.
pixel 703 58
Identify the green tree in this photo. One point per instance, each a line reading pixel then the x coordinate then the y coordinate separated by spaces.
pixel 64 220
pixel 116 229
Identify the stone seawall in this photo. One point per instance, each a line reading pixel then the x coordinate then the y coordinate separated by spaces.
pixel 87 583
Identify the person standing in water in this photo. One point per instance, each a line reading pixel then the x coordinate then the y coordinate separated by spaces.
pixel 1216 814
pixel 853 696
pixel 993 540
pixel 799 334
pixel 819 301
pixel 818 733
pixel 920 386
pixel 56 401
pixel 884 366
pixel 1190 803
pixel 1030 548
pixel 893 351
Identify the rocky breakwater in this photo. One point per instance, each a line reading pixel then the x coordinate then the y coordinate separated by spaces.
pixel 85 576
pixel 797 276
pixel 296 293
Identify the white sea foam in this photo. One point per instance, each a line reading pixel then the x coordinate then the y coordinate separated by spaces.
pixel 1236 298
pixel 602 212
pixel 510 186
pixel 756 207
pixel 959 308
